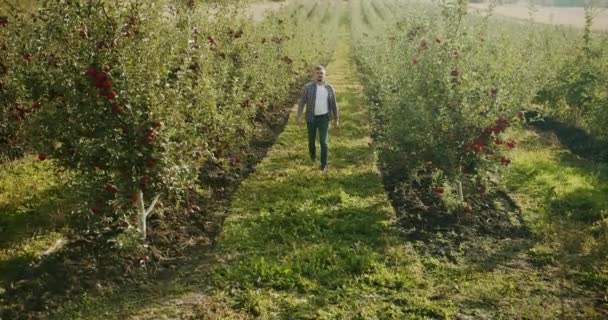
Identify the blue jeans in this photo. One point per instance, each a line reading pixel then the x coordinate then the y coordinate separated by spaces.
pixel 320 123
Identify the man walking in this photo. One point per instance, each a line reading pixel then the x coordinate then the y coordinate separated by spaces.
pixel 321 107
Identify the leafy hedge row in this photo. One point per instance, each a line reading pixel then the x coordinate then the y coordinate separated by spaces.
pixel 139 96
pixel 444 89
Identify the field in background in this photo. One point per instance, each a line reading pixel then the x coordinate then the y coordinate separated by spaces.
pixel 259 9
pixel 567 16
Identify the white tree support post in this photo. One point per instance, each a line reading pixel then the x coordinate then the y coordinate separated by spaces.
pixel 55 247
pixel 145 213
pixel 460 193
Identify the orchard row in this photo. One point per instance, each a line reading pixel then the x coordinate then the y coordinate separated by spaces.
pixel 447 87
pixel 139 96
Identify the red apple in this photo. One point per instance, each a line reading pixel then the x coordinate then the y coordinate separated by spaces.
pixel 91 72
pixel 101 76
pixel 118 108
pixel 150 136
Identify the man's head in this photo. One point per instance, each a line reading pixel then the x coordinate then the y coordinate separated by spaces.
pixel 320 73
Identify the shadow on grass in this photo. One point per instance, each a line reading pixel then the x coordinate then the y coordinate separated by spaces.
pixel 67 273
pixel 31 226
pixel 46 211
pixel 15 266
pixel 496 253
pixel 582 205
pixel 575 139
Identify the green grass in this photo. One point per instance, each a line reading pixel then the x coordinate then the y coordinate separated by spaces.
pixel 553 184
pixel 35 200
pixel 564 199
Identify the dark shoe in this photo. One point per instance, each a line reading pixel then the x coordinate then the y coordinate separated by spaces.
pixel 324 168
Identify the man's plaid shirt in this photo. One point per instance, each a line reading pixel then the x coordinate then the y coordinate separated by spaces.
pixel 309 96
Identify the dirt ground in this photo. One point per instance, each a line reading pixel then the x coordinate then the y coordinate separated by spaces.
pixel 571 16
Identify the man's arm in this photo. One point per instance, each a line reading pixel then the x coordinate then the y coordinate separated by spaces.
pixel 334 105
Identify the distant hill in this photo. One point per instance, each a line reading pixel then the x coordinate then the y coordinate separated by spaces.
pixel 553 3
